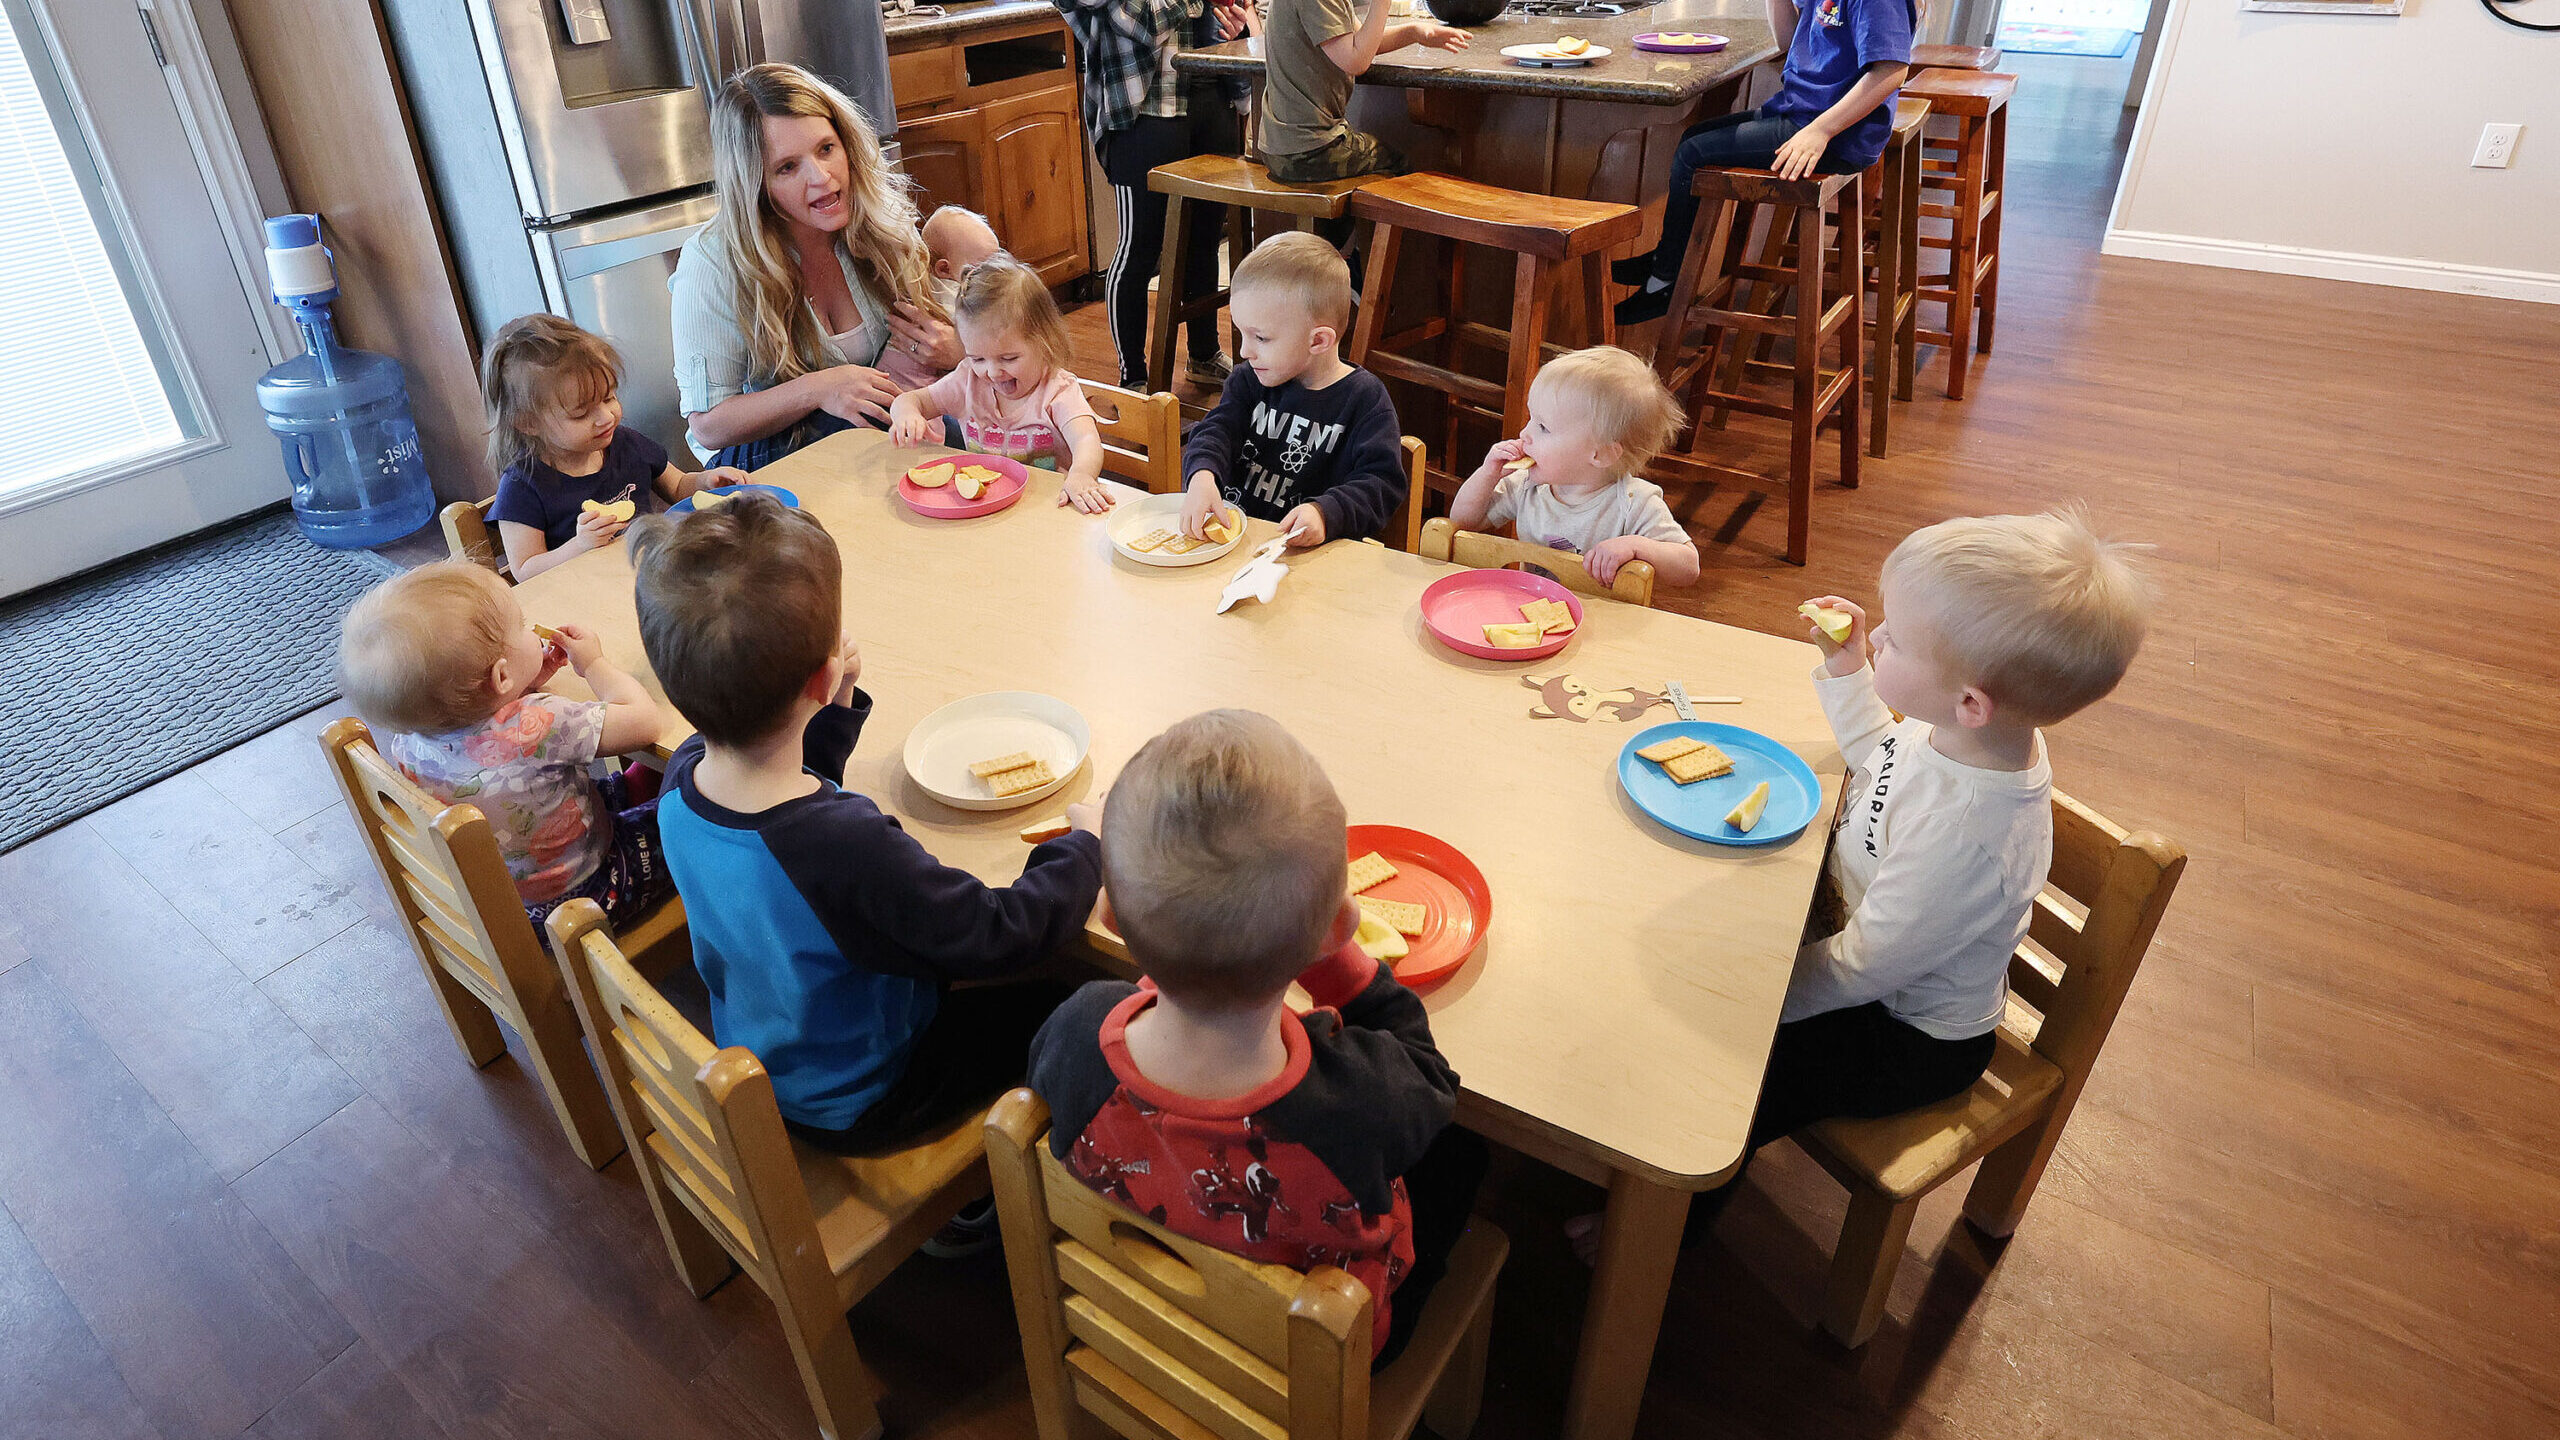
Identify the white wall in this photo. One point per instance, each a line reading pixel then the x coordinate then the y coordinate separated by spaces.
pixel 2341 146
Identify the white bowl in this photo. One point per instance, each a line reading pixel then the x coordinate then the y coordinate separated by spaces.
pixel 947 742
pixel 1133 518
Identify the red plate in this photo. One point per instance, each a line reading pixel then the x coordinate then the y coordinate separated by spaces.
pixel 1457 906
pixel 944 503
pixel 1457 608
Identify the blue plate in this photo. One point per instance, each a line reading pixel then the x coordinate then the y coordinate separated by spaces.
pixel 1698 811
pixel 685 505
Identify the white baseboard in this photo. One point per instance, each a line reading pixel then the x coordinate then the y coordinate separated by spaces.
pixel 2541 288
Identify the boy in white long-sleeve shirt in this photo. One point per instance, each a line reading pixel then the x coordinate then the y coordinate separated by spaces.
pixel 2000 625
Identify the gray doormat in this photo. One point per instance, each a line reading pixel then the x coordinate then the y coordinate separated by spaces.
pixel 133 673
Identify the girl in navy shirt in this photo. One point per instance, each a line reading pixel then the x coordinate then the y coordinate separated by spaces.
pixel 1833 112
pixel 556 433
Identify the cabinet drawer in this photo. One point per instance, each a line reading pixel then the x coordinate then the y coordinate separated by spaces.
pixel 922 77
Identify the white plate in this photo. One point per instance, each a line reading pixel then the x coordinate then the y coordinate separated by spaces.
pixel 947 742
pixel 1550 55
pixel 1133 518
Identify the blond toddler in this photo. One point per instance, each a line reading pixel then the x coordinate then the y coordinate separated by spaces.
pixel 1595 417
pixel 442 663
pixel 1013 395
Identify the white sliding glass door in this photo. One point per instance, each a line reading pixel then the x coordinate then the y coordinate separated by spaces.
pixel 129 346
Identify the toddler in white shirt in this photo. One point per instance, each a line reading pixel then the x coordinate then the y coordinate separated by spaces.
pixel 2000 625
pixel 1595 417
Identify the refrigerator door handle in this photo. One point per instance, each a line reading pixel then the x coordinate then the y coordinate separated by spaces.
pixel 577 262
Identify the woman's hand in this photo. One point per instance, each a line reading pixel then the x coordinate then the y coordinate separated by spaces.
pixel 852 392
pixel 932 342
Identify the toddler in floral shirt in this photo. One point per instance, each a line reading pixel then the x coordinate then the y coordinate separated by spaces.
pixel 443 664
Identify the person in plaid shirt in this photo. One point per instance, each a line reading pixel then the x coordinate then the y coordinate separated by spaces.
pixel 1142 114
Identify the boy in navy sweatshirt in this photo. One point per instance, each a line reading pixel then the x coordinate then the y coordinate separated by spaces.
pixel 1298 435
pixel 1198 1097
pixel 826 935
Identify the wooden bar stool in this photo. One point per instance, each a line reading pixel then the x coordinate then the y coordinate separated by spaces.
pixel 1893 206
pixel 1243 186
pixel 1712 271
pixel 1955 57
pixel 1967 167
pixel 1547 233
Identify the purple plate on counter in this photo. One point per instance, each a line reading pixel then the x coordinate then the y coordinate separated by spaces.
pixel 1706 44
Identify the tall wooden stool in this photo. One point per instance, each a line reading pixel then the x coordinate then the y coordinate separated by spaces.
pixel 1547 233
pixel 1893 209
pixel 1826 312
pixel 1243 186
pixel 1967 166
pixel 1955 57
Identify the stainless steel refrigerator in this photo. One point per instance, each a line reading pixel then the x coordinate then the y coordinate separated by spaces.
pixel 570 146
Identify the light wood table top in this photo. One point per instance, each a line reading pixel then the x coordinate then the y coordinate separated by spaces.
pixel 1624 998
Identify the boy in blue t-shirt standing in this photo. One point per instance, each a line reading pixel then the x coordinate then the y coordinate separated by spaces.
pixel 1846 60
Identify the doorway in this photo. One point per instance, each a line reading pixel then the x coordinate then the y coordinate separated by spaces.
pixel 130 347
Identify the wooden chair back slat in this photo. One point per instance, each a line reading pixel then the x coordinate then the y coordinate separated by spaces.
pixel 1444 541
pixel 2123 882
pixel 1248 1306
pixel 1208 1405
pixel 1170 1328
pixel 1157 1333
pixel 657 1057
pixel 1128 1407
pixel 467 537
pixel 1141 436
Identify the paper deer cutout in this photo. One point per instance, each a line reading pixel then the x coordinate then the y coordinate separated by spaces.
pixel 1570 697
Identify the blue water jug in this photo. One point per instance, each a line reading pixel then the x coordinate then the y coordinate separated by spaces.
pixel 350 447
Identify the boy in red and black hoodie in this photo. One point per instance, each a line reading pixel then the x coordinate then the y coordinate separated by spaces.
pixel 1197 1097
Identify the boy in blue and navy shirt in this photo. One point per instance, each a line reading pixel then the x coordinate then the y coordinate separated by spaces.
pixel 1833 112
pixel 826 935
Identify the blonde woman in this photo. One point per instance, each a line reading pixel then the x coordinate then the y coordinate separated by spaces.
pixel 806 306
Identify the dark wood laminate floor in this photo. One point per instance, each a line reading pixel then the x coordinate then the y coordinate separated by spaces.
pixel 250 1187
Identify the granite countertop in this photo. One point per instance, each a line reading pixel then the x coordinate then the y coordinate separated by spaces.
pixel 964 16
pixel 1627 75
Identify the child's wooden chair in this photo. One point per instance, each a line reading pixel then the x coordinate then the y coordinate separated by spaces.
pixel 1141 436
pixel 1163 1336
pixel 467 537
pixel 2102 900
pixel 463 916
pixel 1404 528
pixel 728 1183
pixel 1444 541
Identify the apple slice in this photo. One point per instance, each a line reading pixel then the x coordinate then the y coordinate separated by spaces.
pixel 1833 623
pixel 1747 814
pixel 970 487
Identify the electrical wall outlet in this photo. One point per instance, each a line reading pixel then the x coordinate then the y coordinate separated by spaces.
pixel 2497 147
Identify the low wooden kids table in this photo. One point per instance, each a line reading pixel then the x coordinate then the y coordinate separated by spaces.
pixel 1614 1022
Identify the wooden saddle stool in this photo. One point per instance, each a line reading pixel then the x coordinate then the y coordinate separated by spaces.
pixel 1549 235
pixel 1963 169
pixel 1246 189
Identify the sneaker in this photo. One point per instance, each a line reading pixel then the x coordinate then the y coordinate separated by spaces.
pixel 971 1232
pixel 1644 305
pixel 1209 370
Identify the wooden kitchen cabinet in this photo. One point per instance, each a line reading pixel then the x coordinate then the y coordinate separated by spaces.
pixel 988 119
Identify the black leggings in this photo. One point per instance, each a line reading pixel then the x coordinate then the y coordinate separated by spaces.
pixel 1207 127
pixel 1859 1062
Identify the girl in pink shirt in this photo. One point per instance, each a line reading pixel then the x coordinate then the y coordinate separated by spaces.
pixel 1013 394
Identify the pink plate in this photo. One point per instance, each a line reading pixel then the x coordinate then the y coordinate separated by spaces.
pixel 1457 608
pixel 1652 40
pixel 944 503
